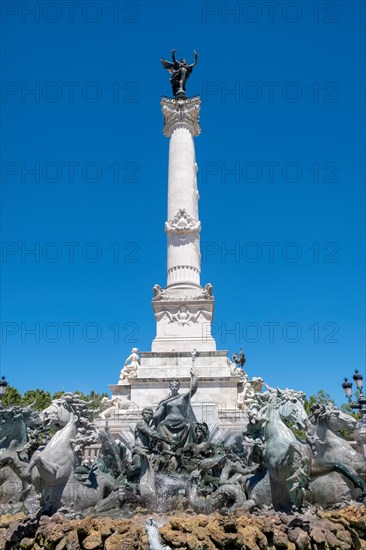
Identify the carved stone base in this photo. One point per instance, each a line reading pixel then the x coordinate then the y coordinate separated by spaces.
pixel 183 325
pixel 215 401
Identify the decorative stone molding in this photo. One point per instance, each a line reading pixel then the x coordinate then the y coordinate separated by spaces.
pixel 160 294
pixel 181 112
pixel 183 316
pixel 182 223
pixel 183 273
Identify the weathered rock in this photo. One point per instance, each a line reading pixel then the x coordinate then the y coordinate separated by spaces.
pixel 93 541
pixel 106 528
pixel 342 529
pixel 22 527
pixel 355 516
pixel 50 531
pixel 62 545
pixel 72 541
pixel 303 541
pixel 85 526
pixel 114 542
pixel 344 536
pixel 253 538
pixel 318 536
pixel 8 519
pixel 280 540
pixel 26 544
pixel 293 534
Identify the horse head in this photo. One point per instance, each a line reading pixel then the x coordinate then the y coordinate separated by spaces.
pixel 14 425
pixel 59 413
pixel 333 418
pixel 286 404
pixel 290 405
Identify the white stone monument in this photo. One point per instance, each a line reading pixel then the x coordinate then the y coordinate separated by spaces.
pixel 183 309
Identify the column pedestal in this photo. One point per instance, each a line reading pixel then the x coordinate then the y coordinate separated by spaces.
pixel 217 393
pixel 183 325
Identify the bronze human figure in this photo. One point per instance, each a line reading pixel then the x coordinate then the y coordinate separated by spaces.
pixel 180 72
pixel 174 417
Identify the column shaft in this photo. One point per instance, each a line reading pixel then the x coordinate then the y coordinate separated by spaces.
pixel 183 257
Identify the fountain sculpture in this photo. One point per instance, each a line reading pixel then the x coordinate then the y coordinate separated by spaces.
pixel 177 461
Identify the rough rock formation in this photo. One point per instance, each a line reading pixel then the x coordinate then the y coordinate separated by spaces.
pixel 339 529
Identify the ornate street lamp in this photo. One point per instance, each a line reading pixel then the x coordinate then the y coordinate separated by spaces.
pixel 3 385
pixel 347 388
pixel 360 404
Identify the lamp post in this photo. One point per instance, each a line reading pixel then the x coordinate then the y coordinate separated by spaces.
pixel 3 386
pixel 360 404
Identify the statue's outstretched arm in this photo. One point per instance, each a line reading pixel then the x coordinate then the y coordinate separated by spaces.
pixel 173 56
pixel 194 382
pixel 195 60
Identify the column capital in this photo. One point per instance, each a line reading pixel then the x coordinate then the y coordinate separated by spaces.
pixel 181 113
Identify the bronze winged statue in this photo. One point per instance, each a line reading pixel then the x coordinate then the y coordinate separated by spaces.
pixel 180 72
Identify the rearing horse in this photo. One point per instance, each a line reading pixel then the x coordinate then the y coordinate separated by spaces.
pixel 16 424
pixel 53 468
pixel 285 456
pixel 333 455
pixel 55 463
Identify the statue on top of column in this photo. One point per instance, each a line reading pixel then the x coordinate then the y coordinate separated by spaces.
pixel 180 72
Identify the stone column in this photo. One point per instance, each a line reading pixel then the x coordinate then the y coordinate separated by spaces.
pixel 181 124
pixel 183 310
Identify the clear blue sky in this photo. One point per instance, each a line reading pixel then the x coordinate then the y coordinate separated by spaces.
pixel 282 89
